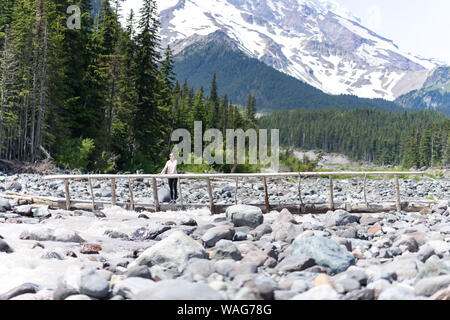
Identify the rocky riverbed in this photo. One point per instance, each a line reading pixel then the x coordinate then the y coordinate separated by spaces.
pixel 240 254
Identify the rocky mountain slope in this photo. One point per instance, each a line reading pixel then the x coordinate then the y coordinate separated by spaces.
pixel 316 41
pixel 435 94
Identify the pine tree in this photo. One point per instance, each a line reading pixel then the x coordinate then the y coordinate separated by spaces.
pixel 149 121
pixel 213 104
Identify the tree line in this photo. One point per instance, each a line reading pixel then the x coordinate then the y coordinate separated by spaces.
pixel 383 137
pixel 100 98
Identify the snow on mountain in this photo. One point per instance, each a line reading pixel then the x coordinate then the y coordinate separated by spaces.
pixel 316 41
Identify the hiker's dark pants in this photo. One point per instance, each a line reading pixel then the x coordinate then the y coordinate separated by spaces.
pixel 173 189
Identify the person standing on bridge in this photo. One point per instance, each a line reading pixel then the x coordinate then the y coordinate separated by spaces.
pixel 171 168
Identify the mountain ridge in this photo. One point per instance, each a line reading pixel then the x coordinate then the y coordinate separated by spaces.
pixel 304 39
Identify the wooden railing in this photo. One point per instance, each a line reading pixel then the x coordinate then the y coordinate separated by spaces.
pixel 235 176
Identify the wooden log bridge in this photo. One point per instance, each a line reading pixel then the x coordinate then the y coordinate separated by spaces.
pixel 300 206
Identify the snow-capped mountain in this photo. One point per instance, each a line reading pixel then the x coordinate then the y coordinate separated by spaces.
pixel 316 41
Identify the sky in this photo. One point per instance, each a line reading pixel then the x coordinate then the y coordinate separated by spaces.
pixel 420 27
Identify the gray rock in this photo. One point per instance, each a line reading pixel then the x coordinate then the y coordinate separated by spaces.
pixel 409 242
pixel 52 255
pixel 226 249
pixel 325 292
pixel 188 222
pixel 130 287
pixel 94 285
pixel 243 215
pixel 242 268
pixel 434 267
pixel 47 234
pixel 425 252
pixel 285 216
pixel 397 292
pixel 285 231
pixel 300 286
pixel 284 295
pixel 429 286
pixel 20 290
pixel 4 205
pixel 355 273
pixel 403 268
pixel 213 235
pixel 177 249
pixel 165 272
pixel 24 210
pixel 149 233
pixel 138 272
pixel 179 290
pixel 345 285
pixel 261 230
pixel 4 247
pixel 263 287
pixel 240 236
pixel 362 294
pixel 225 267
pixel 200 267
pixel 13 185
pixel 339 218
pixel 42 213
pixel 348 232
pixel 118 235
pixel 325 252
pixel 296 263
pixel 68 284
pixel 79 297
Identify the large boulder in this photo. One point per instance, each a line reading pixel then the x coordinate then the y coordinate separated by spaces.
pixel 179 290
pixel 213 235
pixel 175 250
pixel 47 234
pixel 324 251
pixel 244 215
pixel 429 286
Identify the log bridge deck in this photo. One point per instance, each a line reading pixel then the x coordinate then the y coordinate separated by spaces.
pixel 298 207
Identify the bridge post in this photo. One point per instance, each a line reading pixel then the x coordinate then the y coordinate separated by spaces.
pixel 211 199
pixel 92 194
pixel 266 196
pixel 130 186
pixel 300 193
pixel 331 200
pixel 155 195
pixel 66 182
pixel 113 192
pixel 181 194
pixel 365 191
pixel 398 203
pixel 235 192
